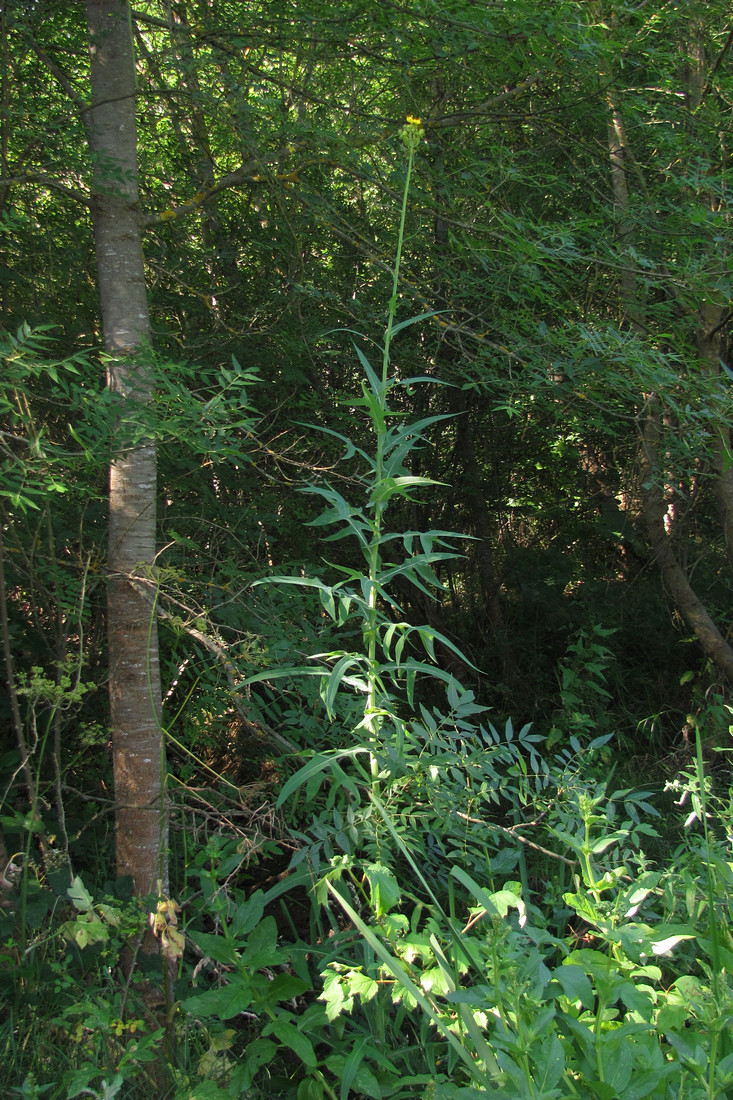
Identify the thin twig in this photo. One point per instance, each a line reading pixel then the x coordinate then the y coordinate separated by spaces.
pixel 517 836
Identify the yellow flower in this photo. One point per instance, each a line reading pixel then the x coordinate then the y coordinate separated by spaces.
pixel 412 133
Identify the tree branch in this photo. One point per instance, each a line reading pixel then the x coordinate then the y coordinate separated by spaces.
pixel 43 180
pixel 57 72
pixel 517 836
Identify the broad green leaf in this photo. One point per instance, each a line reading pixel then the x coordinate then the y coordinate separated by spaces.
pixel 262 949
pixel 283 987
pixel 549 1064
pixel 497 904
pixel 362 1079
pixel 664 946
pixel 575 983
pixel 385 890
pixel 293 1039
pixel 258 1053
pixel 638 998
pixel 80 896
pixel 336 995
pixel 310 1088
pixel 111 914
pixel 223 1003
pixel 606 841
pixel 618 1063
pixel 85 932
pixel 584 906
pixel 247 914
pixel 215 947
pixel 77 1082
pixel 366 987
pixel 645 1084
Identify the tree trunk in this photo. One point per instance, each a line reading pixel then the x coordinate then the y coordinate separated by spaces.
pixel 617 151
pixel 134 673
pixel 654 507
pixel 712 318
pixel 687 603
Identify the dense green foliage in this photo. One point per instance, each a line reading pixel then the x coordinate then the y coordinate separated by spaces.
pixel 444 579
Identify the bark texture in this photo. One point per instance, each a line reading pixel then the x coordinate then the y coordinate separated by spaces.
pixel 135 692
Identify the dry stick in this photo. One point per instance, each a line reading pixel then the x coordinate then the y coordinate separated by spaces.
pixel 142 585
pixel 110 804
pixel 517 836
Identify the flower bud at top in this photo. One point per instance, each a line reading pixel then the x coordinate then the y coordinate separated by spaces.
pixel 412 133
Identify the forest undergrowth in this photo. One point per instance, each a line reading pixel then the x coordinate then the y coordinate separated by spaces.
pixel 426 902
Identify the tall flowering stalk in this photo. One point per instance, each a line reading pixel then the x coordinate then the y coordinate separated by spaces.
pixel 387 666
pixel 412 134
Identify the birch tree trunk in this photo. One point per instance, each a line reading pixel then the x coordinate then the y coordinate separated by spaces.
pixel 134 673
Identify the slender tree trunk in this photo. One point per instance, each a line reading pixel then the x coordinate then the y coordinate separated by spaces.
pixel 710 351
pixel 134 674
pixel 617 151
pixel 687 603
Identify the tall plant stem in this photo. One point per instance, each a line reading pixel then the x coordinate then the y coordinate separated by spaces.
pixel 395 281
pixel 411 135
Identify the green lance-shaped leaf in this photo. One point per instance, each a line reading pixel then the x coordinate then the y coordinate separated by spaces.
pixel 389 487
pixel 224 1003
pixel 415 320
pixel 320 763
pixel 330 687
pixel 377 387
